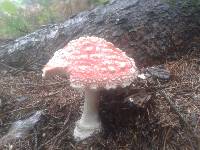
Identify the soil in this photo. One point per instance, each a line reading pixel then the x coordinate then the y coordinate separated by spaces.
pixel 150 114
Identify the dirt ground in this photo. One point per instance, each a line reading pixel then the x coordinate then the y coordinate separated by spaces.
pixel 150 114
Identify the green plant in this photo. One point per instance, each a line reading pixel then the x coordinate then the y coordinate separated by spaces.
pixel 189 5
pixel 99 1
pixel 12 23
pixel 8 7
pixel 23 16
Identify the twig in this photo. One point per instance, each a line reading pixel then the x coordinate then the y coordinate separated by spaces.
pixel 182 119
pixel 37 85
pixel 173 108
pixel 72 146
pixel 35 139
pixel 19 109
pixel 63 130
pixel 26 65
pixel 7 66
pixel 166 136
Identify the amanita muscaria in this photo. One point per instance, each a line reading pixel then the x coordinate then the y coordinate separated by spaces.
pixel 92 64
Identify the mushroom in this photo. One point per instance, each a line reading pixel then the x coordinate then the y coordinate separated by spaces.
pixel 92 64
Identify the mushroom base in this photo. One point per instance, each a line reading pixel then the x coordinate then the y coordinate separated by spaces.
pixel 83 131
pixel 89 123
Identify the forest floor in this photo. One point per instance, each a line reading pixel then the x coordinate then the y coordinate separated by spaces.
pixel 164 114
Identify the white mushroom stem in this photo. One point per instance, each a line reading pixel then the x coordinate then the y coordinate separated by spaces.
pixel 89 122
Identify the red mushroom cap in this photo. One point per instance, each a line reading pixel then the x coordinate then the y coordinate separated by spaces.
pixel 95 63
pixel 58 63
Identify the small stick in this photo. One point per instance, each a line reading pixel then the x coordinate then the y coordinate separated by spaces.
pixel 7 66
pixel 166 136
pixel 37 85
pixel 35 139
pixel 182 119
pixel 64 128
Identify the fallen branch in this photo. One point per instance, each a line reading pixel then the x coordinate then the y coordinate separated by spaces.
pixel 149 30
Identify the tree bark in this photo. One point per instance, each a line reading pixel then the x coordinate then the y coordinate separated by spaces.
pixel 150 31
